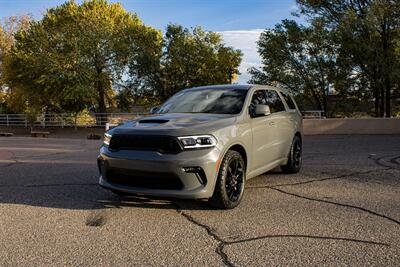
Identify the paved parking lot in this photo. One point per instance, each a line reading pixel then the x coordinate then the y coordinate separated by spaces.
pixel 342 209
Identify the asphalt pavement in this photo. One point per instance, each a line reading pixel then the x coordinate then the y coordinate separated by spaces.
pixel 342 209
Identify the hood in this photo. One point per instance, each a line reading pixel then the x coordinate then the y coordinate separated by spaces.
pixel 177 124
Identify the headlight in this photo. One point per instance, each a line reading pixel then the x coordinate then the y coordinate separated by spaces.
pixel 198 141
pixel 107 139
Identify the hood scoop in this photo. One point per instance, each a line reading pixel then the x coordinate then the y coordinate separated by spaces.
pixel 153 121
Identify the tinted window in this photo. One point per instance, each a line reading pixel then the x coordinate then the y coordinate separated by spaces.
pixel 212 100
pixel 259 98
pixel 274 101
pixel 289 101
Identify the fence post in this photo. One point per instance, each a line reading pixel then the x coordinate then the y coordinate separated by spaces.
pixel 44 121
pixel 7 120
pixel 26 122
pixel 62 120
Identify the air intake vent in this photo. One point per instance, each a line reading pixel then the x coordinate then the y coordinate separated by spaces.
pixel 153 121
pixel 163 144
pixel 143 179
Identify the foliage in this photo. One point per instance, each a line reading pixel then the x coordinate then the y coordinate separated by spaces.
pixel 71 59
pixel 299 58
pixel 367 33
pixel 185 59
pixel 8 27
pixel 96 54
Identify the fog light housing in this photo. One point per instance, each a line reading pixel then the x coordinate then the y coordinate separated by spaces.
pixel 199 172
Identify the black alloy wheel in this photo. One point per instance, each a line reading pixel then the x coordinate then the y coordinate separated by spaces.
pixel 229 187
pixel 234 180
pixel 295 157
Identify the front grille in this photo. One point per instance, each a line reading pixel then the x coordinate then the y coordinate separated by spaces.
pixel 162 143
pixel 144 179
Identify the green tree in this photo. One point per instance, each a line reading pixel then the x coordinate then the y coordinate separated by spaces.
pixel 186 58
pixel 367 32
pixel 8 27
pixel 299 58
pixel 72 58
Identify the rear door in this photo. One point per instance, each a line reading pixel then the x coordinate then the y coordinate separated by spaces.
pixel 294 118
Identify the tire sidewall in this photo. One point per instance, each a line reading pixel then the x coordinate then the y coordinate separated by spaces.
pixel 222 179
pixel 291 165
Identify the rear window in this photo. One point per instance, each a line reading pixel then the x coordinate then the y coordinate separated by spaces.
pixel 289 101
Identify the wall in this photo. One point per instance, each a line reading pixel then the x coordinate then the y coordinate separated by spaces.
pixel 351 126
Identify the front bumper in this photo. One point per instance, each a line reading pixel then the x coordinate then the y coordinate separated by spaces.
pixel 134 164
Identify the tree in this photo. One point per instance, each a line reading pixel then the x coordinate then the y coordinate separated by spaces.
pixel 72 58
pixel 299 58
pixel 186 58
pixel 8 27
pixel 367 32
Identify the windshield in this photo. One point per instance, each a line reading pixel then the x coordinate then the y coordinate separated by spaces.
pixel 218 101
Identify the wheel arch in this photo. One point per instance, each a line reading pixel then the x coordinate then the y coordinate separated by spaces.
pixel 241 150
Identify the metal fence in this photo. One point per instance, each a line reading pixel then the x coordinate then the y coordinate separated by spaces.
pixel 65 120
pixel 88 120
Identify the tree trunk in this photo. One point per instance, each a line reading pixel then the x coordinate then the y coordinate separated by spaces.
pixel 385 36
pixel 102 104
pixel 376 102
pixel 387 100
pixel 76 121
pixel 101 119
pixel 382 103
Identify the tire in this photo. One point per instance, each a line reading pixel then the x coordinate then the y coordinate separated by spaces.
pixel 295 157
pixel 229 187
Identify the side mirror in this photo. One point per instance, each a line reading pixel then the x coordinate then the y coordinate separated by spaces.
pixel 154 110
pixel 261 110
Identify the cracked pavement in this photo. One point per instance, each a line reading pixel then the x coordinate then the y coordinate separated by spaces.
pixel 343 208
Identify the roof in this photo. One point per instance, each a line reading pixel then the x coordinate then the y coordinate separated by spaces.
pixel 237 87
pixel 223 86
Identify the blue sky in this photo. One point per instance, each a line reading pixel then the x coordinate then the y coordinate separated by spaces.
pixel 239 21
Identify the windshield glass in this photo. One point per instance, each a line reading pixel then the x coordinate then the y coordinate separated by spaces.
pixel 218 101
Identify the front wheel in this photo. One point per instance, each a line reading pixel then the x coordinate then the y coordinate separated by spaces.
pixel 229 187
pixel 295 157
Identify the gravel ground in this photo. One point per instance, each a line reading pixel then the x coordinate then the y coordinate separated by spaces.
pixel 343 208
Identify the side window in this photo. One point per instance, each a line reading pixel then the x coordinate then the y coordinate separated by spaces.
pixel 289 101
pixel 259 98
pixel 274 101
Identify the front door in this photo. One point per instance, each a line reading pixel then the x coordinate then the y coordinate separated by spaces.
pixel 266 139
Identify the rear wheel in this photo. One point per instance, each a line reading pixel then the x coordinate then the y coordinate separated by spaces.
pixel 295 157
pixel 229 187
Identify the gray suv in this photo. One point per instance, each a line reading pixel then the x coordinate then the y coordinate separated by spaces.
pixel 204 143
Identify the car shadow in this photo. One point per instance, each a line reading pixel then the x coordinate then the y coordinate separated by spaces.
pixel 76 190
pixel 88 197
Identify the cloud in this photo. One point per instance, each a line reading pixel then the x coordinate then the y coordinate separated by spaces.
pixel 246 41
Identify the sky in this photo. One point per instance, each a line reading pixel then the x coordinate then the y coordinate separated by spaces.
pixel 239 21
